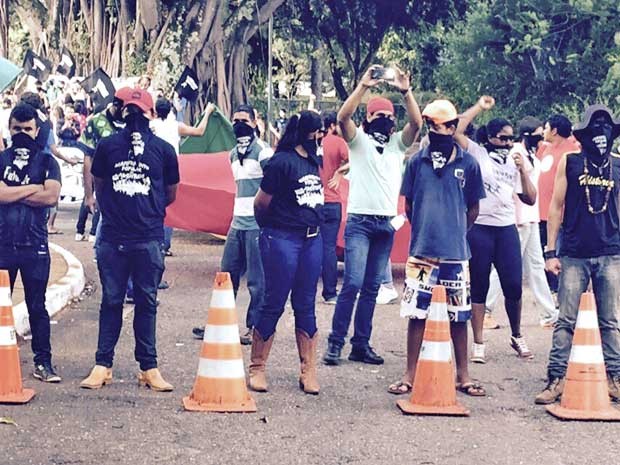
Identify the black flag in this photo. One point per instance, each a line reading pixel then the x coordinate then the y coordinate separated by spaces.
pixel 100 89
pixel 36 66
pixel 188 84
pixel 67 63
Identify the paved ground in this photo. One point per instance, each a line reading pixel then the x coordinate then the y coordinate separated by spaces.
pixel 354 420
pixel 57 271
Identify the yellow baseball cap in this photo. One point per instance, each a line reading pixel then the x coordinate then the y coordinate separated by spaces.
pixel 440 111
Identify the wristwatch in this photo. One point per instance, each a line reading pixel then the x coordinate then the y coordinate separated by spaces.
pixel 549 254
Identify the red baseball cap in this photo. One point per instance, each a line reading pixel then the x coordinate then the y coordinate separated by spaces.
pixel 376 104
pixel 135 96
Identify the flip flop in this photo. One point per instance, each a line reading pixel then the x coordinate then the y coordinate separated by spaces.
pixel 55 231
pixel 399 388
pixel 473 389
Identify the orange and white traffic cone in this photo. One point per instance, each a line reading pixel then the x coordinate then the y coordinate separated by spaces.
pixel 586 393
pixel 11 389
pixel 220 384
pixel 434 391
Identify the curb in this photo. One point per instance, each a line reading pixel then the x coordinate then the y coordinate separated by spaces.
pixel 58 294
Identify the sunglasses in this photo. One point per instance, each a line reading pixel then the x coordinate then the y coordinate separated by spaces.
pixel 506 138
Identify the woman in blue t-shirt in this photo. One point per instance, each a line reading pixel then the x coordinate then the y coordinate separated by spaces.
pixel 287 209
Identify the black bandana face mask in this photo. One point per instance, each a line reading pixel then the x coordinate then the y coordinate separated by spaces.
pixel 314 149
pixel 379 130
pixel 245 135
pixel 498 153
pixel 440 148
pixel 597 142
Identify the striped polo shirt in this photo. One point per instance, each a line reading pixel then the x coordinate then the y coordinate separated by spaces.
pixel 248 177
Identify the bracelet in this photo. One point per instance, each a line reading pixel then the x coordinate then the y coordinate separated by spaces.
pixel 404 92
pixel 549 254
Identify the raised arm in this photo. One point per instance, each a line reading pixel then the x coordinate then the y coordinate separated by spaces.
pixel 412 128
pixel 485 103
pixel 185 130
pixel 345 114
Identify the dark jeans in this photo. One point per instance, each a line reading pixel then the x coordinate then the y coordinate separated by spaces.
pixel 551 278
pixel 33 264
pixel 368 243
pixel 242 255
pixel 83 216
pixel 332 216
pixel 574 279
pixel 144 262
pixel 167 238
pixel 292 264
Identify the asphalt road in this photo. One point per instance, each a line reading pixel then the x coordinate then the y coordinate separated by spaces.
pixel 354 420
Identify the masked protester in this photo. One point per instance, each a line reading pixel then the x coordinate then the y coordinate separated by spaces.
pixel 288 210
pixel 494 239
pixel 241 252
pixel 528 217
pixel 585 203
pixel 376 158
pixel 136 176
pixel 442 187
pixel 29 185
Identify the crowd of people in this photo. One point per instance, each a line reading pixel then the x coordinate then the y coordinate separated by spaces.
pixel 481 205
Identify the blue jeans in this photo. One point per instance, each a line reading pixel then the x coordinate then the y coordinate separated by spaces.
pixel 80 227
pixel 574 278
pixel 144 262
pixel 387 278
pixel 33 264
pixel 292 264
pixel 167 238
pixel 242 255
pixel 332 216
pixel 368 243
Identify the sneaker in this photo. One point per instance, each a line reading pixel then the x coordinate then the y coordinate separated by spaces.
pixel 552 392
pixel 489 322
pixel 519 344
pixel 246 339
pixel 163 285
pixel 79 237
pixel 46 374
pixel 92 238
pixel 386 295
pixel 477 353
pixel 168 253
pixel 365 355
pixel 613 382
pixel 331 300
pixel 332 356
pixel 198 333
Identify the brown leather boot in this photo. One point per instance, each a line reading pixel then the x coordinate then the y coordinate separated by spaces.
pixel 99 376
pixel 153 379
pixel 307 356
pixel 260 353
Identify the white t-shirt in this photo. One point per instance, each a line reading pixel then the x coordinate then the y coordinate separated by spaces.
pixel 501 182
pixel 4 122
pixel 167 130
pixel 375 178
pixel 527 213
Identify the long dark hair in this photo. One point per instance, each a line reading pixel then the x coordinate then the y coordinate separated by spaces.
pixel 492 128
pixel 298 128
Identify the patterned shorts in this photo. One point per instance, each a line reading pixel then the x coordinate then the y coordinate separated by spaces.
pixel 423 274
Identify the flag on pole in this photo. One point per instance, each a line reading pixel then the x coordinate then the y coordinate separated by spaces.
pixel 8 73
pixel 36 66
pixel 66 66
pixel 188 85
pixel 218 137
pixel 100 89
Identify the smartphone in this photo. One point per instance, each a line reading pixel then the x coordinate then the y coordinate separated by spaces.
pixel 386 74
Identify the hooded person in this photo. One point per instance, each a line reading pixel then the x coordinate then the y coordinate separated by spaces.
pixel 585 204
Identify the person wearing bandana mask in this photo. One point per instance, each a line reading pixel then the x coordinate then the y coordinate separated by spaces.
pixel 494 239
pixel 29 185
pixel 136 176
pixel 585 203
pixel 442 187
pixel 376 160
pixel 287 208
pixel 241 251
pixel 528 218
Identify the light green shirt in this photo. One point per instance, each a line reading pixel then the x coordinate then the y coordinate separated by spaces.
pixel 375 178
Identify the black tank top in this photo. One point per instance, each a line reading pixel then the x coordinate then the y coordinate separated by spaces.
pixel 584 234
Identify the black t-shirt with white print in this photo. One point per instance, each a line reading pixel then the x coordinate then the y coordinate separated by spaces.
pixel 297 192
pixel 136 168
pixel 21 224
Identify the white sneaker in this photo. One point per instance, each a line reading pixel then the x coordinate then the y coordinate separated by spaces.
pixel 520 346
pixel 79 237
pixel 477 353
pixel 92 238
pixel 386 295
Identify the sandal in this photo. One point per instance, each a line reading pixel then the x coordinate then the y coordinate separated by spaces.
pixel 473 389
pixel 399 388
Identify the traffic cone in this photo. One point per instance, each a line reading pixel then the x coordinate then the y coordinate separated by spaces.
pixel 434 392
pixel 220 384
pixel 11 389
pixel 586 393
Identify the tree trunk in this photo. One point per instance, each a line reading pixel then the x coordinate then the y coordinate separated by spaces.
pixel 98 32
pixel 316 72
pixel 4 28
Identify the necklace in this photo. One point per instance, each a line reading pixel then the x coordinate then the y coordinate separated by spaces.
pixel 610 187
